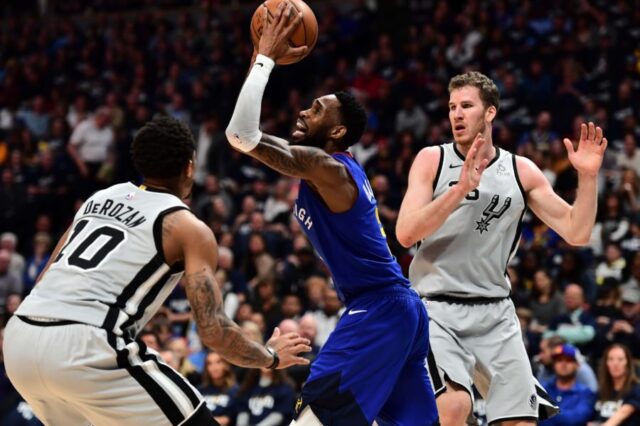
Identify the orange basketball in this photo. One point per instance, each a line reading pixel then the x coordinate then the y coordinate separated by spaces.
pixel 306 34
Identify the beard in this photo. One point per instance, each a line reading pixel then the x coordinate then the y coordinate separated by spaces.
pixel 469 138
pixel 318 139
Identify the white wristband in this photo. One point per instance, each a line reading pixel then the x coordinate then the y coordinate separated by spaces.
pixel 243 131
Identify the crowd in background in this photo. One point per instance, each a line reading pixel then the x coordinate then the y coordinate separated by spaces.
pixel 76 84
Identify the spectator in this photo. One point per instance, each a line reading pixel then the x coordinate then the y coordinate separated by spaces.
pixel 626 329
pixel 613 265
pixel 546 302
pixel 266 397
pixel 411 118
pixel 89 147
pixel 577 326
pixel 36 118
pixel 219 389
pixel 629 158
pixel 543 364
pixel 37 262
pixel 9 282
pixel 619 396
pixel 576 401
pixel 328 316
pixel 9 242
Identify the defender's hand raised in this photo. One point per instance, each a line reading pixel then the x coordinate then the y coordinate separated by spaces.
pixel 274 41
pixel 288 347
pixel 474 165
pixel 588 157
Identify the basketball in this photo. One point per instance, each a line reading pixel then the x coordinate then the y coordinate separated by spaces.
pixel 306 34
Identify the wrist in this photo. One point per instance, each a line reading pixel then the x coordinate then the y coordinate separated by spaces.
pixel 264 62
pixel 276 359
pixel 459 190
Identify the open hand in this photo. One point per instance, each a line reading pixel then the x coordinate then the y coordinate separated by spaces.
pixel 289 346
pixel 588 157
pixel 474 165
pixel 274 41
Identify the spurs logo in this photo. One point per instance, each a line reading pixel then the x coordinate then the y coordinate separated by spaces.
pixel 490 213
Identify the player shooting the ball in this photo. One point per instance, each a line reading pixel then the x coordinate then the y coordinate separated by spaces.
pixel 372 365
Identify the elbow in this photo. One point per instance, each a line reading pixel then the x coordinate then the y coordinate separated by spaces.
pixel 405 239
pixel 578 240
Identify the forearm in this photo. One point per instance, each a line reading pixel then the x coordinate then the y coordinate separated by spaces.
pixel 583 211
pixel 243 131
pixel 620 415
pixel 420 224
pixel 219 332
pixel 578 334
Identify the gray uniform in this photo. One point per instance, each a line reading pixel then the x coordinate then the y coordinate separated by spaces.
pixel 460 270
pixel 70 349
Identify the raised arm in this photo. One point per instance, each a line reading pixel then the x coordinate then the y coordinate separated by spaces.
pixel 419 215
pixel 574 222
pixel 184 234
pixel 304 162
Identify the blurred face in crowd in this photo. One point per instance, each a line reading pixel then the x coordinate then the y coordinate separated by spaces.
pixel 216 366
pixel 468 115
pixel 573 297
pixel 316 126
pixel 542 281
pixel 308 327
pixel 565 367
pixel 617 363
pixel 5 257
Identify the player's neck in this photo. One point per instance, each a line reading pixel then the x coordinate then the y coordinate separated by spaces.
pixel 161 185
pixel 487 151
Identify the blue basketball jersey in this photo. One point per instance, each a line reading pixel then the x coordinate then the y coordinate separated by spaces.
pixel 352 244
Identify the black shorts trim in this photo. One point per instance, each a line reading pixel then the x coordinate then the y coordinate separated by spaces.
pixel 47 323
pixel 502 419
pixel 159 395
pixel 201 417
pixel 438 386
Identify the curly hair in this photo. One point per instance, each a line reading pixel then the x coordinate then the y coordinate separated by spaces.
pixel 353 116
pixel 488 90
pixel 162 148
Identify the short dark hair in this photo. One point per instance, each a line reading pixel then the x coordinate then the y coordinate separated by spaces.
pixel 353 116
pixel 162 148
pixel 489 93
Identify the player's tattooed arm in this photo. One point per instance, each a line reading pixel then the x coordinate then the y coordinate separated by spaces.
pixel 304 162
pixel 189 240
pixel 216 330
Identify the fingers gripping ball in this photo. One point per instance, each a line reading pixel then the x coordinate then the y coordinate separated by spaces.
pixel 306 34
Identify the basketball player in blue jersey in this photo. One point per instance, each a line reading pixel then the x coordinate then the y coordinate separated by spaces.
pixel 372 366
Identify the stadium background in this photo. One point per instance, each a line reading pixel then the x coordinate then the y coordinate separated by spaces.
pixel 93 71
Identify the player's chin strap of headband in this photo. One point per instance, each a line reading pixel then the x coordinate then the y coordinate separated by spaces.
pixel 243 131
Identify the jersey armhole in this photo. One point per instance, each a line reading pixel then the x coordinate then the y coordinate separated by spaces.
pixel 517 176
pixel 439 170
pixel 157 235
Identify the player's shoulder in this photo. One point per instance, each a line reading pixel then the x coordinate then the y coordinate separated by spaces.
pixel 429 155
pixel 528 172
pixel 184 226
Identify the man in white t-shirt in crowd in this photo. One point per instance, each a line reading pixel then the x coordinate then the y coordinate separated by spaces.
pixel 90 148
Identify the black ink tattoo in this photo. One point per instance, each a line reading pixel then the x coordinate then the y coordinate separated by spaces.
pixel 296 162
pixel 218 331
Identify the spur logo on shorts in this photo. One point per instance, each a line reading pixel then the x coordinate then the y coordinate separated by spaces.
pixel 532 400
pixel 491 213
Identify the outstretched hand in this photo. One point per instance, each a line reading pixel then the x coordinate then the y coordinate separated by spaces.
pixel 274 41
pixel 289 346
pixel 474 165
pixel 588 157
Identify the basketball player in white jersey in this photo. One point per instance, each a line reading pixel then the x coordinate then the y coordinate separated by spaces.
pixel 70 349
pixel 464 205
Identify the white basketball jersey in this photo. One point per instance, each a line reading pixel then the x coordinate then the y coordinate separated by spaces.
pixel 468 255
pixel 111 272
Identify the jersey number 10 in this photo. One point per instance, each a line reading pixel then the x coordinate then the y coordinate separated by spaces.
pixel 101 241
